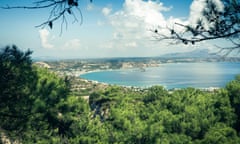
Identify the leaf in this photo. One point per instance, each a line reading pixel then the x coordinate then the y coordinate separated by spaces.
pixel 185 42
pixel 50 24
pixel 69 11
pixel 197 27
pixel 70 2
pixel 76 4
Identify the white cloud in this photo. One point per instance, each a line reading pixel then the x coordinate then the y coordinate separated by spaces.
pixel 44 35
pixel 131 27
pixel 72 44
pixel 197 8
pixel 131 44
pixel 100 23
pixel 90 7
pixel 131 24
pixel 106 11
pixel 136 17
pixel 148 11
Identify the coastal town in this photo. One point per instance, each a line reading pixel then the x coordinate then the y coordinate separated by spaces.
pixel 76 67
pixel 73 69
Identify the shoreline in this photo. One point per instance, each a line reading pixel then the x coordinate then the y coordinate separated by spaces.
pixel 148 78
pixel 207 89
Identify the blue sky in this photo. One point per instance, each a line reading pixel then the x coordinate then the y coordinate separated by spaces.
pixel 118 28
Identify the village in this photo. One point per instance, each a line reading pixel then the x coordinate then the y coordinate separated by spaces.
pixel 73 69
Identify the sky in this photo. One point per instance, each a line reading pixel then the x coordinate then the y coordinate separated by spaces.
pixel 109 28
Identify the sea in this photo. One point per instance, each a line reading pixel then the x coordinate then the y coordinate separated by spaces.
pixel 171 75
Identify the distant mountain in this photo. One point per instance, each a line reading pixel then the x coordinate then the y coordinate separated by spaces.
pixel 199 53
pixel 46 58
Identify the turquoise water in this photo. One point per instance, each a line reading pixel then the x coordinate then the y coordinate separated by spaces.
pixel 172 75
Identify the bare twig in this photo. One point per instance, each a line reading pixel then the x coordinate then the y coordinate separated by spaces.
pixel 221 25
pixel 58 11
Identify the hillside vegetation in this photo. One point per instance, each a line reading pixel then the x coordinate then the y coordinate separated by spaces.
pixel 37 106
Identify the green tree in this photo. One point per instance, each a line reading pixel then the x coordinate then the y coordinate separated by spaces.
pixel 35 104
pixel 50 108
pixel 233 88
pixel 157 116
pixel 221 134
pixel 17 84
pixel 155 93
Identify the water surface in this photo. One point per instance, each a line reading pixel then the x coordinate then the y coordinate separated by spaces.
pixel 171 75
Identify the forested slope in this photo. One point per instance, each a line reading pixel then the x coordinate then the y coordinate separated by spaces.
pixel 37 106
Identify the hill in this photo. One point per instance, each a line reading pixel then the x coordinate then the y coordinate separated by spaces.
pixel 198 53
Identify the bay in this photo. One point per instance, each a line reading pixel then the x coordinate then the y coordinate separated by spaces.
pixel 171 75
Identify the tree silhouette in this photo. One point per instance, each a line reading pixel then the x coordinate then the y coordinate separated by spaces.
pixel 17 83
pixel 215 23
pixel 58 10
pixel 33 101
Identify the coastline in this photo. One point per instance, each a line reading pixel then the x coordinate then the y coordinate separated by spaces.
pixel 196 77
pixel 83 72
pixel 169 75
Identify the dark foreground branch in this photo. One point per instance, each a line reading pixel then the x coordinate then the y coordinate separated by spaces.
pixel 59 10
pixel 212 24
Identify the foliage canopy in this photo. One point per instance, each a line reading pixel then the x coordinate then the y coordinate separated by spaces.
pixel 36 106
